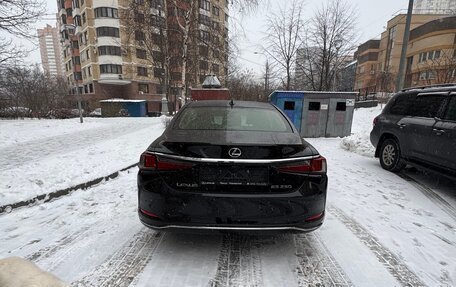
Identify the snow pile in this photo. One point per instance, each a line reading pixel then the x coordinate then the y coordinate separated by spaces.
pixel 18 272
pixel 359 141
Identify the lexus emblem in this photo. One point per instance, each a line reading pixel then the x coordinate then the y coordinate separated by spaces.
pixel 234 152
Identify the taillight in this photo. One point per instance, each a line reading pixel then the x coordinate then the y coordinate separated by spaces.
pixel 148 161
pixel 317 165
pixel 148 213
pixel 315 217
pixel 375 121
pixel 151 161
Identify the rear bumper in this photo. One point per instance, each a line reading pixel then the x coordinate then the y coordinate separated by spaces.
pixel 277 229
pixel 177 210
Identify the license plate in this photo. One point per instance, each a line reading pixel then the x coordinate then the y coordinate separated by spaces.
pixel 256 176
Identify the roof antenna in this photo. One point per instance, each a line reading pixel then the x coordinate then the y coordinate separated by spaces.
pixel 231 103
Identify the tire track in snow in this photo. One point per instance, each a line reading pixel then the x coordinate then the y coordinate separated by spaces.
pixel 432 195
pixel 316 266
pixel 392 263
pixel 62 243
pixel 239 262
pixel 126 263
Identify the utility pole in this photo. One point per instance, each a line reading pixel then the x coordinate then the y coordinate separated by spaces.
pixel 401 73
pixel 164 47
pixel 76 80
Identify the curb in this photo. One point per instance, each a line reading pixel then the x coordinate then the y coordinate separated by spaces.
pixel 59 193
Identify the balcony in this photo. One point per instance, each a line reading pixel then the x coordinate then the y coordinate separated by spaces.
pixel 109 59
pixel 105 3
pixel 107 41
pixel 107 22
pixel 113 79
pixel 62 11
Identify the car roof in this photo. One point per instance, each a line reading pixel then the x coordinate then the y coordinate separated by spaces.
pixel 430 89
pixel 226 103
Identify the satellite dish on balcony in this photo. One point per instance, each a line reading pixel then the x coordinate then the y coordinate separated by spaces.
pixel 211 82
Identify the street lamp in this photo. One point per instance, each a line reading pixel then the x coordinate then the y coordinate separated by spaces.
pixel 164 100
pixel 267 73
pixel 337 44
pixel 71 29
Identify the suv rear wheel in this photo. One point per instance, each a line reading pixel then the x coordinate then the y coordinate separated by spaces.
pixel 390 156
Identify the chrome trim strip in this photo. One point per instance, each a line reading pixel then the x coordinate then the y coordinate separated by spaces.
pixel 227 228
pixel 225 160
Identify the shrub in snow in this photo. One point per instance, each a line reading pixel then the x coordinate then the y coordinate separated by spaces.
pixel 15 112
pixel 18 272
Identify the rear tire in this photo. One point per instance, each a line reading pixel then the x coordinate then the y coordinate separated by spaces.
pixel 390 156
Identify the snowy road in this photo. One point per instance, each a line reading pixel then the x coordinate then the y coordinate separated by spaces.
pixel 381 229
pixel 93 238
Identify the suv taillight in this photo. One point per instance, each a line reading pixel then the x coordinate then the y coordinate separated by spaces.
pixel 375 121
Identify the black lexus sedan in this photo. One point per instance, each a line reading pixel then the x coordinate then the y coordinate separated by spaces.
pixel 232 165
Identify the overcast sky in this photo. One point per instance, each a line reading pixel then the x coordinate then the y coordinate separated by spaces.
pixel 373 15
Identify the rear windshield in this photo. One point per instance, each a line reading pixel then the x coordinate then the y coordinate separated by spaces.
pixel 232 119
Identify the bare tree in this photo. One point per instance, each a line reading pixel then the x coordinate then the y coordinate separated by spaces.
pixel 16 19
pixel 330 37
pixel 283 37
pixel 243 86
pixel 29 92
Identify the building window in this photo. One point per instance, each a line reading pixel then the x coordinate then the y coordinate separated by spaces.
pixel 204 51
pixel 431 55
pixel 205 36
pixel 78 76
pixel 89 71
pixel 84 19
pixel 215 10
pixel 76 60
pixel 159 72
pixel 141 54
pixel 215 68
pixel 106 12
pixel 427 75
pixel 139 35
pixel 205 5
pixel 108 32
pixel 157 21
pixel 205 20
pixel 143 88
pixel 111 69
pixel 203 65
pixel 156 3
pixel 139 18
pixel 142 71
pixel 109 50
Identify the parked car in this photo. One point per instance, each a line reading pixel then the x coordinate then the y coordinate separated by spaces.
pixel 224 165
pixel 418 127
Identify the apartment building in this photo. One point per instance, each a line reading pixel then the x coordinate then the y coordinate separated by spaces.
pixel 386 68
pixel 131 49
pixel 51 53
pixel 434 7
pixel 366 70
pixel 431 54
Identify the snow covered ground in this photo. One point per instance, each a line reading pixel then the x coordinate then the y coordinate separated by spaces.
pixel 41 156
pixel 381 229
